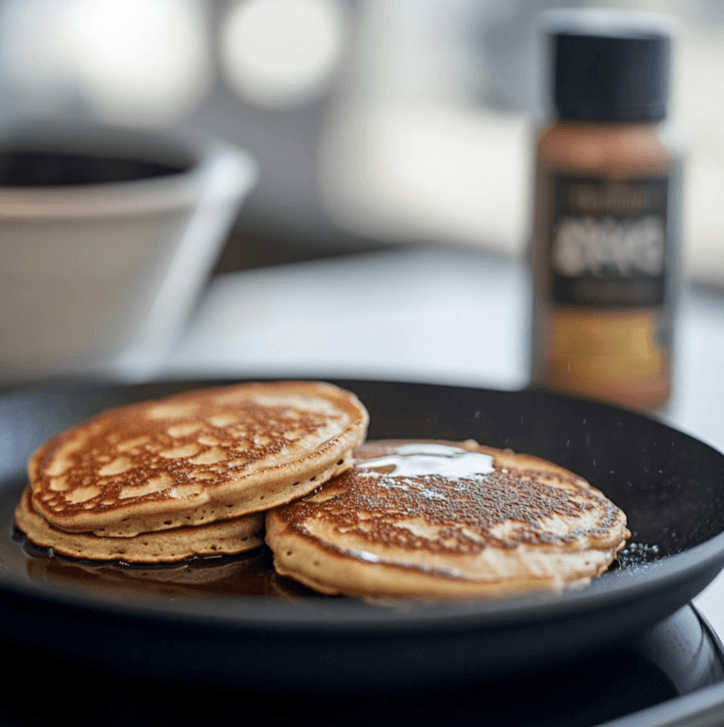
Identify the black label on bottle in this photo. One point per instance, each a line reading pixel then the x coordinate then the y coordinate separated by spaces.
pixel 609 245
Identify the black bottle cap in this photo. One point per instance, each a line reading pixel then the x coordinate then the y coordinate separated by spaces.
pixel 609 66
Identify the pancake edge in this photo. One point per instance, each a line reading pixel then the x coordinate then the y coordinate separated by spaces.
pixel 229 537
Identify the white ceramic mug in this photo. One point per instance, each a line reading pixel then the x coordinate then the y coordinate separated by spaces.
pixel 99 277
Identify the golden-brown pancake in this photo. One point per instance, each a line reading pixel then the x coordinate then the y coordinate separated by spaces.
pixel 226 537
pixel 445 519
pixel 195 458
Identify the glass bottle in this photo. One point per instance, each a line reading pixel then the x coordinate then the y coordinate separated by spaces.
pixel 606 222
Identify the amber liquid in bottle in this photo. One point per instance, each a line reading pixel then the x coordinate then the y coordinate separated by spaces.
pixel 603 256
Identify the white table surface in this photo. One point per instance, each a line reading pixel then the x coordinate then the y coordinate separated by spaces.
pixel 437 315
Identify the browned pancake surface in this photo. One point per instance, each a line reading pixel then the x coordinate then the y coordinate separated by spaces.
pixel 486 521
pixel 196 457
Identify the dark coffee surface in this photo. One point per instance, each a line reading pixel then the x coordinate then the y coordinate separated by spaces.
pixel 25 168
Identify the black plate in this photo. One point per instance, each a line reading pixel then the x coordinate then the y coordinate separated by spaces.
pixel 192 623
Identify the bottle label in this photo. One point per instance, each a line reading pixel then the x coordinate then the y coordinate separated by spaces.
pixel 602 260
pixel 609 245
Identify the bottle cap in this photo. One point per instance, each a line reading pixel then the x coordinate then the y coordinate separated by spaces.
pixel 609 66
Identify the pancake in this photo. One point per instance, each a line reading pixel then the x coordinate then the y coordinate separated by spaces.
pixel 442 519
pixel 227 537
pixel 194 458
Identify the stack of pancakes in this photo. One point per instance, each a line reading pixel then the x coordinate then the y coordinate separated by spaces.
pixel 206 472
pixel 188 475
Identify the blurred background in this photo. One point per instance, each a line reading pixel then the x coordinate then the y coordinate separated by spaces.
pixel 374 122
pixel 386 235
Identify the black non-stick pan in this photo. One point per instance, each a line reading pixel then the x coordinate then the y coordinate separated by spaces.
pixel 231 620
